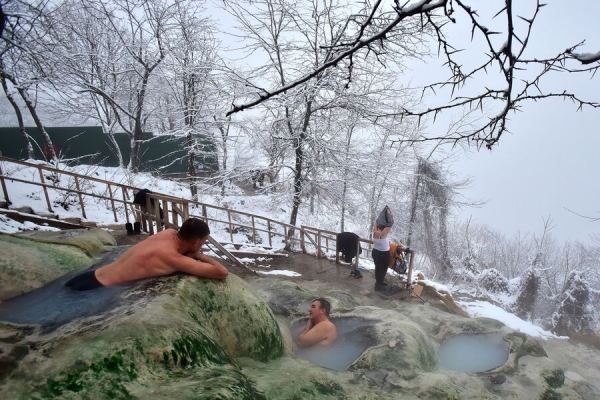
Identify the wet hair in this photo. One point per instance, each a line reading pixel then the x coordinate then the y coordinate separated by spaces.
pixel 324 304
pixel 193 229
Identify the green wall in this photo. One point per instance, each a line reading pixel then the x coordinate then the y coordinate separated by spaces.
pixel 89 145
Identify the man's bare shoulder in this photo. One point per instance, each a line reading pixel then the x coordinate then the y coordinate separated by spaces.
pixel 327 324
pixel 167 233
pixel 162 236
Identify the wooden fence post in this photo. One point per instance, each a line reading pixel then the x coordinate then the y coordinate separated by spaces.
pixel 319 244
pixel 125 198
pixel 112 202
pixel 80 198
pixel 4 187
pixel 269 232
pixel 166 214
pixel 45 190
pixel 230 226
pixel 186 211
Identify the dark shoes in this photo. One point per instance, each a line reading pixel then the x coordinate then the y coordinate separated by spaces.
pixel 134 229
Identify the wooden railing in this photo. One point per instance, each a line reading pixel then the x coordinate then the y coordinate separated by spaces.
pixel 174 211
pixel 118 197
pixel 254 229
pixel 73 186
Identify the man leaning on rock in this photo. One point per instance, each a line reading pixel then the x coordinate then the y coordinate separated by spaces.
pixel 161 254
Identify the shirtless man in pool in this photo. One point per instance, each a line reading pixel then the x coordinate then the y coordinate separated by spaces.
pixel 319 330
pixel 166 252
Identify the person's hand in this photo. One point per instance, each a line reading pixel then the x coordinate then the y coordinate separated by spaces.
pixel 309 325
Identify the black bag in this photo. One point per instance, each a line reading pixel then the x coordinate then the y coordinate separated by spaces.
pixel 385 218
pixel 400 266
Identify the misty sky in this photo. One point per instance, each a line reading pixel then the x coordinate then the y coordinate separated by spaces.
pixel 551 160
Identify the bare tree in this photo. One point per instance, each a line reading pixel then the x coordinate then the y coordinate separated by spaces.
pixel 141 29
pixel 92 57
pixel 18 113
pixel 189 102
pixel 519 78
pixel 20 63
pixel 434 196
pixel 289 36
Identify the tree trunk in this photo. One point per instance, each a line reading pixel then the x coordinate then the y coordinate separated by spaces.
pixel 38 123
pixel 19 115
pixel 413 208
pixel 136 147
pixel 192 165
pixel 224 137
pixel 299 152
pixel 446 264
pixel 138 130
pixel 345 177
pixel 113 141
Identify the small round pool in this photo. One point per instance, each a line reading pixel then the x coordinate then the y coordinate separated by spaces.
pixel 474 352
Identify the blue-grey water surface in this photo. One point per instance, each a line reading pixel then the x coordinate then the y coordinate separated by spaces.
pixel 474 352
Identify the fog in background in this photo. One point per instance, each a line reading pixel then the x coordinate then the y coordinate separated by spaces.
pixel 551 162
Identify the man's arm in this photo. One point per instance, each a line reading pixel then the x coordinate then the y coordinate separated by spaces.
pixel 313 335
pixel 201 265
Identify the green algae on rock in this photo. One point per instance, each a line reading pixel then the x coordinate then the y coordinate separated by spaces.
pixel 90 241
pixel 165 330
pixel 28 264
pixel 244 324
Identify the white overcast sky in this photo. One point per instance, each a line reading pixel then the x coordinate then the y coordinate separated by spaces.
pixel 550 162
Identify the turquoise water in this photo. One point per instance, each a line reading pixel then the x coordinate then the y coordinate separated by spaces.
pixel 474 352
pixel 352 340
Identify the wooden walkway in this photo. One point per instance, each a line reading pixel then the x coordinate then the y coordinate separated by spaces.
pixel 327 271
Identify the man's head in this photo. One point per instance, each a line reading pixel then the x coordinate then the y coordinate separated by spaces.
pixel 193 229
pixel 320 307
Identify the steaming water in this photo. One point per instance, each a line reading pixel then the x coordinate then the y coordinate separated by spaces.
pixel 351 342
pixel 54 304
pixel 474 352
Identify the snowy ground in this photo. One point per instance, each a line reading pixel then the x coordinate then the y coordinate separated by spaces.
pixel 259 204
